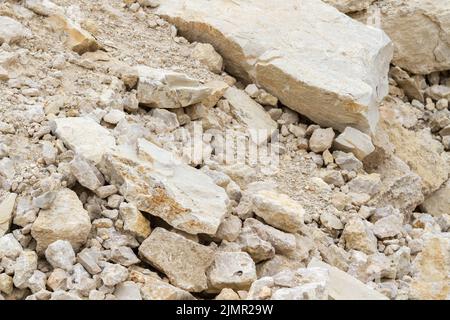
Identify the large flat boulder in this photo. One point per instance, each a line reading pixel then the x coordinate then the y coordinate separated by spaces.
pixel 420 30
pixel 155 181
pixel 315 59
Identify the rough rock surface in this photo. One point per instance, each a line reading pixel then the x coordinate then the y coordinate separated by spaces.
pixel 66 219
pixel 405 21
pixel 285 70
pixel 156 182
pixel 183 261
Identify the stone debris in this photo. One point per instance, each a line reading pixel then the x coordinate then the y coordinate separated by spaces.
pixel 156 182
pixel 82 135
pixel 66 219
pixel 6 212
pixel 269 62
pixel 185 262
pixel 168 90
pixel 251 114
pixel 267 159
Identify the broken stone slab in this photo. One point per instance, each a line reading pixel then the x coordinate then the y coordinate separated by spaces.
pixel 66 219
pixel 438 203
pixel 353 140
pixel 86 173
pixel 6 212
pixel 342 286
pixel 12 31
pixel 155 181
pixel 431 271
pixel 411 86
pixel 251 114
pixel 407 21
pixel 303 60
pixel 359 236
pixel 168 89
pixel 155 289
pixel 278 210
pixel 134 221
pixel 183 261
pixel 418 149
pixel 84 136
pixel 347 6
pixel 205 53
pixel 234 270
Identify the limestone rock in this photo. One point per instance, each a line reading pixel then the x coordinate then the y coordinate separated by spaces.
pixel 24 268
pixel 432 267
pixel 411 86
pixel 66 219
pixel 407 21
pixel 359 236
pixel 82 136
pixel 86 173
pixel 128 290
pixel 6 212
pixel 388 227
pixel 251 114
pixel 113 274
pixel 9 247
pixel 134 221
pixel 284 243
pixel 206 54
pixel 12 31
pixel 438 203
pixel 342 286
pixel 155 289
pixel 353 140
pixel 256 247
pixel 183 261
pixel 330 82
pixel 168 89
pixel 278 210
pixel 234 270
pixel 60 255
pixel 418 149
pixel 321 140
pixel 155 181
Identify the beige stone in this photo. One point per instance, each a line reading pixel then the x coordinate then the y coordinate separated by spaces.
pixel 342 286
pixel 6 212
pixel 206 54
pixel 12 31
pixel 66 219
pixel 353 140
pixel 168 89
pixel 82 136
pixel 234 270
pixel 350 5
pixel 303 60
pixel 406 21
pixel 251 114
pixel 278 210
pixel 134 221
pixel 432 269
pixel 155 181
pixel 358 236
pixel 438 203
pixel 183 261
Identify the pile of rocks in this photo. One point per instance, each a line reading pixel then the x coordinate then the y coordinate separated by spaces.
pixel 108 192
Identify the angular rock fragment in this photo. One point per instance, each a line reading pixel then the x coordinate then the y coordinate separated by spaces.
pixel 359 236
pixel 84 136
pixel 438 203
pixel 86 173
pixel 251 114
pixel 183 261
pixel 66 219
pixel 278 210
pixel 156 182
pixel 168 89
pixel 12 31
pixel 321 140
pixel 353 140
pixel 234 270
pixel 155 289
pixel 134 221
pixel 302 60
pixel 407 21
pixel 60 255
pixel 206 54
pixel 6 212
pixel 350 5
pixel 342 286
pixel 24 268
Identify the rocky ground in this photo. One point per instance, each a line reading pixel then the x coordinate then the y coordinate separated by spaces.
pixel 107 191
